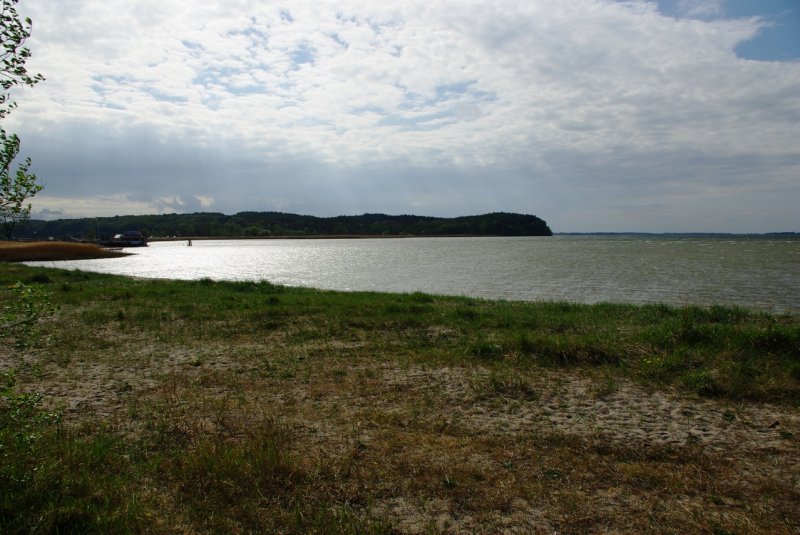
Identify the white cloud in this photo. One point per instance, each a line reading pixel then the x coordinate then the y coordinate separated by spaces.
pixel 47 207
pixel 218 96
pixel 703 9
pixel 205 201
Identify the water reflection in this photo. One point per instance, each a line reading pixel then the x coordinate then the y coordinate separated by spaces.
pixel 755 272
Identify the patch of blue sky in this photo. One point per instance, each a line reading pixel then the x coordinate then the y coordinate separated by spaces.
pixel 209 77
pixel 778 40
pixel 429 121
pixel 100 89
pixel 229 80
pixel 192 46
pixel 302 55
pixel 104 84
pixel 211 101
pixel 314 123
pixel 378 27
pixel 459 88
pixel 164 97
pixel 286 16
pixel 339 40
pixel 255 34
pixel 347 19
pixel 245 89
pixel 360 110
pixel 217 77
pixel 113 106
pixel 118 79
pixel 446 93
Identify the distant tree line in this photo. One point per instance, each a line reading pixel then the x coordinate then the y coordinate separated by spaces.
pixel 257 224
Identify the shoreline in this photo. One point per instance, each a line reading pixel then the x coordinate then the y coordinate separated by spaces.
pixel 335 237
pixel 46 252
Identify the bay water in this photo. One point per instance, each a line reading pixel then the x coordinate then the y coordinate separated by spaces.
pixel 759 272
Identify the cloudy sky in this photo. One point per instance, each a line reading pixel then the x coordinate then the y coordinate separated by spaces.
pixel 676 115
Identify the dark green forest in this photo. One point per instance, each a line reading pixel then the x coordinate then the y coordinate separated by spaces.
pixel 258 224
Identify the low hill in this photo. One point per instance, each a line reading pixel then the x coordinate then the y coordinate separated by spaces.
pixel 283 224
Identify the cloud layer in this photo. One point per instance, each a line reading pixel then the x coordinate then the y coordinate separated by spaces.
pixel 593 114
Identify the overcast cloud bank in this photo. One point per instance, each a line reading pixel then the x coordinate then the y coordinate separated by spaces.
pixel 592 114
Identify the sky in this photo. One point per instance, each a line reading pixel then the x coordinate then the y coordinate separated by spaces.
pixel 595 115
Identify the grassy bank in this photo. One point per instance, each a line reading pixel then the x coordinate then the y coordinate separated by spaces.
pixel 172 406
pixel 11 251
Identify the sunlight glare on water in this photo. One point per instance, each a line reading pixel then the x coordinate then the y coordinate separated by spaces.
pixel 756 272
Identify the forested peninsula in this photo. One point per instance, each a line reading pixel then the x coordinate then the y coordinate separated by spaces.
pixel 266 224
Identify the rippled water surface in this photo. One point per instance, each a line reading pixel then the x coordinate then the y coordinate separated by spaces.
pixel 757 272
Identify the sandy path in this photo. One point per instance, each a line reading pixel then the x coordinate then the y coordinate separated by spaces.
pixel 363 402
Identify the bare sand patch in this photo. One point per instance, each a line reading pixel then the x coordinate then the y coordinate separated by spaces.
pixel 11 251
pixel 404 432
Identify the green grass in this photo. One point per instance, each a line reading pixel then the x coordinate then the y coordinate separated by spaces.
pixel 207 450
pixel 720 351
pixel 56 479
